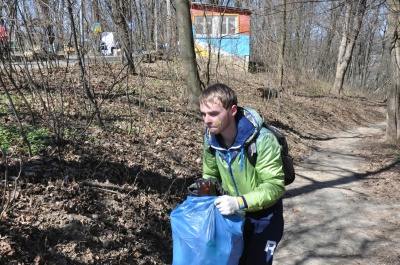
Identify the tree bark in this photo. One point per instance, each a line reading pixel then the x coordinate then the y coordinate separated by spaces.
pixel 120 14
pixel 349 37
pixel 187 53
pixel 169 28
pixel 393 96
pixel 282 46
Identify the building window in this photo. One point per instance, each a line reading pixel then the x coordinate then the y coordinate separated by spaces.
pixel 215 26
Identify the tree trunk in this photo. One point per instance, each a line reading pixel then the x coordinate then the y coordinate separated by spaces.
pixel 169 28
pixel 349 37
pixel 120 14
pixel 282 46
pixel 48 42
pixel 187 54
pixel 393 96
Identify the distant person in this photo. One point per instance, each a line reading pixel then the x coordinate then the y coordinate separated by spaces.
pixel 3 37
pixel 3 32
pixel 256 191
pixel 48 42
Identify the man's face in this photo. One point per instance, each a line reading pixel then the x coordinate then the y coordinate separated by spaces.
pixel 215 117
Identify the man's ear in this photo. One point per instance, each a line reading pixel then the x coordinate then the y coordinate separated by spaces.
pixel 233 110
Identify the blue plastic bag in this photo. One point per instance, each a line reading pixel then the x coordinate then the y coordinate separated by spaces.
pixel 201 235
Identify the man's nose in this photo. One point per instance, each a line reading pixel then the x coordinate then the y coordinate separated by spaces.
pixel 206 118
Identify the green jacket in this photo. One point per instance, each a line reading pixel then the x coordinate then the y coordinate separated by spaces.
pixel 260 186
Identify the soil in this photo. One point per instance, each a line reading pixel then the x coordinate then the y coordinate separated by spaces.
pixel 104 195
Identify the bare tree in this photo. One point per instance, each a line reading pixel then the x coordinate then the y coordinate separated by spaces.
pixel 351 29
pixel 282 45
pixel 393 97
pixel 187 54
pixel 121 17
pixel 169 27
pixel 238 3
pixel 325 62
pixel 49 36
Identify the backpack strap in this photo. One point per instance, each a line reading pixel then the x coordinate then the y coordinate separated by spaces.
pixel 251 149
pixel 212 150
pixel 252 146
pixel 279 136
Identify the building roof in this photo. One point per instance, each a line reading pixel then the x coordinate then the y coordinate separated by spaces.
pixel 217 8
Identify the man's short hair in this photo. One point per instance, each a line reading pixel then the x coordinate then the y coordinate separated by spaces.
pixel 219 91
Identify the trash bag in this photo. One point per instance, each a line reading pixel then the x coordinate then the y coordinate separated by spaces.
pixel 202 236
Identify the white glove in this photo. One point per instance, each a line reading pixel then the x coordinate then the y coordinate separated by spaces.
pixel 227 204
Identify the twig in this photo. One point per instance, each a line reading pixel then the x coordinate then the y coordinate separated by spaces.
pixel 16 180
pixel 2 207
pixel 95 169
pixel 107 190
pixel 11 194
pixel 105 185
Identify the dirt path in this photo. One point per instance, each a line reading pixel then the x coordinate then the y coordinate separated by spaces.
pixel 329 217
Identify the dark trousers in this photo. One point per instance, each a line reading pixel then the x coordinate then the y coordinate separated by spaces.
pixel 262 232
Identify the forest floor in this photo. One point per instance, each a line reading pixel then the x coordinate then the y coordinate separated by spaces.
pixel 104 195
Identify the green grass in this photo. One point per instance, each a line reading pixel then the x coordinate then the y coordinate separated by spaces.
pixel 10 138
pixel 5 107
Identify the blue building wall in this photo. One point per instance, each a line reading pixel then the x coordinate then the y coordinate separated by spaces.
pixel 238 45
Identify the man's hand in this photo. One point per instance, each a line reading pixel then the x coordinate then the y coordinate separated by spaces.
pixel 227 204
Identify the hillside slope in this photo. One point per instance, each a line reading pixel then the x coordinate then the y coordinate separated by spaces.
pixel 103 196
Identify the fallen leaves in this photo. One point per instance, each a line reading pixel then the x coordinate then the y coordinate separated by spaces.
pixel 6 249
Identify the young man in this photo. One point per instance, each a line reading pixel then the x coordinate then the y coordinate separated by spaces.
pixel 256 190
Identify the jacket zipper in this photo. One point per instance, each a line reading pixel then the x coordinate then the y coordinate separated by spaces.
pixel 228 160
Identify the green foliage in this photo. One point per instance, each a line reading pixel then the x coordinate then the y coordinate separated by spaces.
pixel 39 139
pixel 6 136
pixel 119 89
pixel 10 137
pixel 5 107
pixel 3 100
pixel 194 118
pixel 91 138
pixel 123 89
pixel 3 110
pixel 156 83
